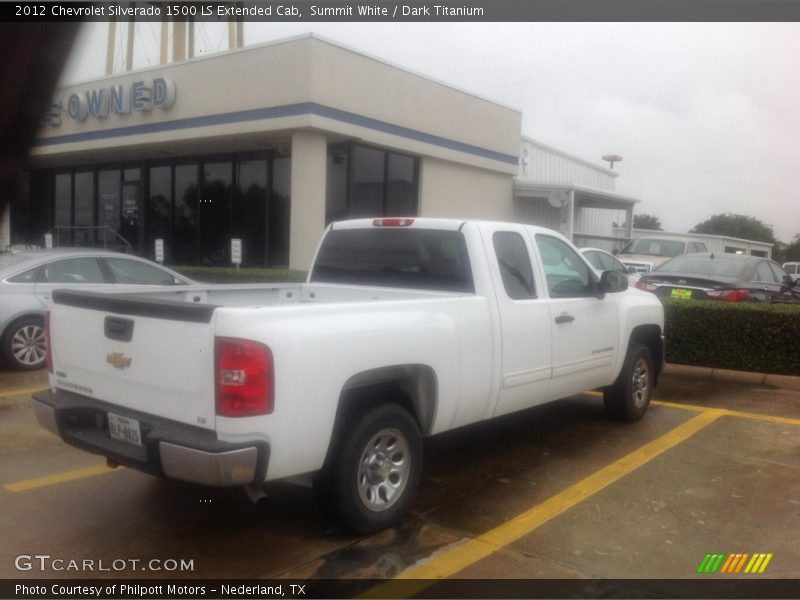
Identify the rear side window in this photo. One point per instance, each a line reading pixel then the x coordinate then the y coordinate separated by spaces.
pixel 425 259
pixel 779 273
pixel 28 276
pixel 138 273
pixel 764 273
pixel 73 270
pixel 514 264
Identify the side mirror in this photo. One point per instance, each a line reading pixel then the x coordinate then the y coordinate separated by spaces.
pixel 615 251
pixel 613 281
pixel 789 281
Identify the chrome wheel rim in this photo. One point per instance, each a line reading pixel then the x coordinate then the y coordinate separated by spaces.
pixel 28 345
pixel 383 469
pixel 640 383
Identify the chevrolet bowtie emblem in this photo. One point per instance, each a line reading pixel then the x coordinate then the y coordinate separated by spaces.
pixel 119 360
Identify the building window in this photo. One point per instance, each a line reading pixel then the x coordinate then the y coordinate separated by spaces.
pixel 250 222
pixel 369 182
pixel 159 211
pixel 108 205
pixel 195 206
pixel 279 207
pixel 184 228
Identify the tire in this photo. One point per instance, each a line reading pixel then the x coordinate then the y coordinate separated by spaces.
pixel 629 397
pixel 23 345
pixel 376 470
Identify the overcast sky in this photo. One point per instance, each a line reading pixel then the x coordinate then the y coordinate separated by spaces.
pixel 706 116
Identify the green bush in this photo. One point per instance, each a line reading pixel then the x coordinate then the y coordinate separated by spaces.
pixel 243 275
pixel 764 338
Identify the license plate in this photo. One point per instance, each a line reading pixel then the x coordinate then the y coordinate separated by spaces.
pixel 124 429
pixel 685 294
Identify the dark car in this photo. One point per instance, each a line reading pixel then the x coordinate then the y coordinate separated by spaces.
pixel 727 277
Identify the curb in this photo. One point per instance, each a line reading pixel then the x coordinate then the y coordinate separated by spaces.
pixel 787 382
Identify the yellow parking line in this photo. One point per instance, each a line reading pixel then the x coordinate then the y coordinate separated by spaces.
pixel 733 413
pixel 693 407
pixel 22 392
pixel 32 484
pixel 462 555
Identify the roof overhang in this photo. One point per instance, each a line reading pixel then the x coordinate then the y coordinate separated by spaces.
pixel 585 196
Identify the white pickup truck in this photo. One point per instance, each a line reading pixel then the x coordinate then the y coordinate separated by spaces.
pixel 405 328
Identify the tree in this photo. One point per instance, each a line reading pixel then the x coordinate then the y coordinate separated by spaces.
pixel 645 221
pixel 739 226
pixel 791 252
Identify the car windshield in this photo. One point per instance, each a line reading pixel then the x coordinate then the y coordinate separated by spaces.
pixel 654 247
pixel 704 265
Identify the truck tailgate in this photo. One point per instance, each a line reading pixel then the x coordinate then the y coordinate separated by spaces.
pixel 153 356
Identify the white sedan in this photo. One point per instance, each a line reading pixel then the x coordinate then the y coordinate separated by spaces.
pixel 28 278
pixel 605 261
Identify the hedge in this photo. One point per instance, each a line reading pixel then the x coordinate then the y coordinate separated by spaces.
pixel 764 338
pixel 242 275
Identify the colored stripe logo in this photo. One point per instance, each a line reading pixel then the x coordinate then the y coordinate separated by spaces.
pixel 742 562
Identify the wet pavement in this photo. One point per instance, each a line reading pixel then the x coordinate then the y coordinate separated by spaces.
pixel 729 484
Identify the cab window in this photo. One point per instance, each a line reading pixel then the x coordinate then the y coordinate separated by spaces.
pixel 514 264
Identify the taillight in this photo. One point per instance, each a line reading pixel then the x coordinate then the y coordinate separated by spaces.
pixel 244 378
pixel 734 295
pixel 392 222
pixel 647 287
pixel 48 346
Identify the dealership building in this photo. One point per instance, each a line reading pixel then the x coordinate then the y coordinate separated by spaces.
pixel 270 143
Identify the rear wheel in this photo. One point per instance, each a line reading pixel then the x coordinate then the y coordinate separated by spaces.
pixel 629 397
pixel 24 346
pixel 377 469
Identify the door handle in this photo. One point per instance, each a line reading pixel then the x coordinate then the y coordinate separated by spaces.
pixel 564 318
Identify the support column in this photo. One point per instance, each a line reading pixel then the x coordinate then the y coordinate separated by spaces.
pixel 571 217
pixel 5 226
pixel 629 222
pixel 309 168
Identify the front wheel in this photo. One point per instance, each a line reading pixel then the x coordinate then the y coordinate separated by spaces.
pixel 24 344
pixel 629 397
pixel 377 469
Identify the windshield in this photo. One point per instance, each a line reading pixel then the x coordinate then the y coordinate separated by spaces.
pixel 704 265
pixel 654 247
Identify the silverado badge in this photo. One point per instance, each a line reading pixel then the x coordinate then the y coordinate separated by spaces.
pixel 119 360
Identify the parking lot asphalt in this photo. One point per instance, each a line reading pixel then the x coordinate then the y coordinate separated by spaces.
pixel 558 491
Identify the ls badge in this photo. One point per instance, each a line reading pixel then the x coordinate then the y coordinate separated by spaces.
pixel 119 360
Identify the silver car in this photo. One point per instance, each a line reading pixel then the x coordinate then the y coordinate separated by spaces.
pixel 27 279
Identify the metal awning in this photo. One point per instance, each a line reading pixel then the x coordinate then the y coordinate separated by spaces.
pixel 580 197
pixel 588 197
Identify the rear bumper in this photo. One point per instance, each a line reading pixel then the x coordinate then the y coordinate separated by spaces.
pixel 168 448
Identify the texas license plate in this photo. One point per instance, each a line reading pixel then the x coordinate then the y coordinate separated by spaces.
pixel 124 429
pixel 684 294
